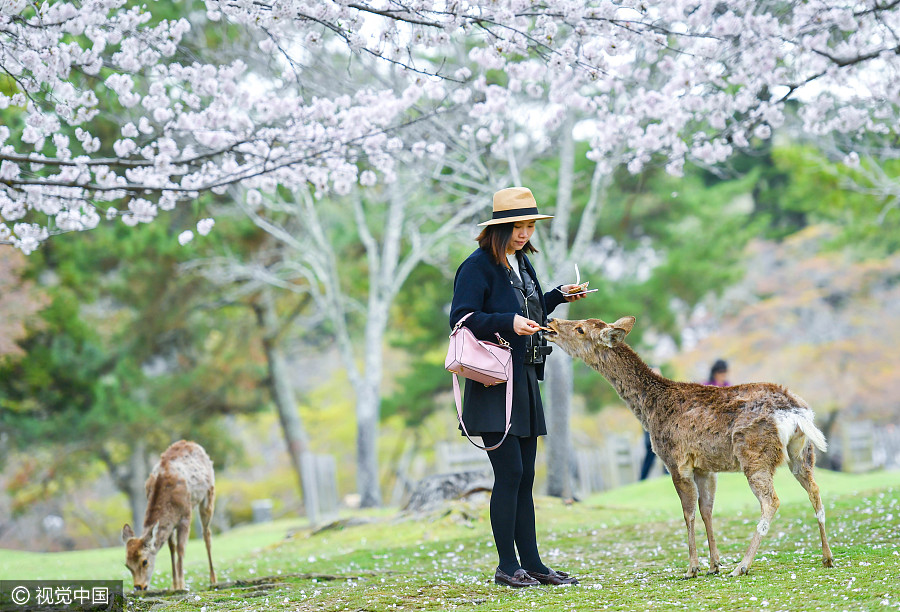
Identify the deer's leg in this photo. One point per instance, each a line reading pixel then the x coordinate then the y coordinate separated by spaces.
pixel 706 489
pixel 802 461
pixel 184 530
pixel 762 486
pixel 206 511
pixel 171 541
pixel 687 491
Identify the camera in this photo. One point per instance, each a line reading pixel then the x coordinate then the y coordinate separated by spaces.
pixel 535 353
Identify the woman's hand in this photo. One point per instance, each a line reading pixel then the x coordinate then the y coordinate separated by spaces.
pixel 524 327
pixel 571 298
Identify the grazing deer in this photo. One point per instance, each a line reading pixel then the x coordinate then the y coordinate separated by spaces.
pixel 698 430
pixel 182 479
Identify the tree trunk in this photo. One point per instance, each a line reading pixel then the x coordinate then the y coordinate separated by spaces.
pixel 403 245
pixel 435 491
pixel 285 402
pixel 368 407
pixel 134 481
pixel 130 479
pixel 558 413
pixel 559 365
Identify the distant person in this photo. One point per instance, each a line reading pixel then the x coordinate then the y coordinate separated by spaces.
pixel 718 374
pixel 649 455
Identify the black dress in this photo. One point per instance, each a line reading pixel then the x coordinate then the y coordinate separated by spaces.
pixel 485 288
pixel 530 303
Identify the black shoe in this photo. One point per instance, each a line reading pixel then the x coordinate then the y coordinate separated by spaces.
pixel 519 579
pixel 553 577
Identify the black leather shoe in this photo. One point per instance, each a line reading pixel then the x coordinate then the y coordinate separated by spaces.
pixel 553 577
pixel 519 579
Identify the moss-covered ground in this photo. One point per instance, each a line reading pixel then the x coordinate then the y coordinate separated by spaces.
pixel 627 547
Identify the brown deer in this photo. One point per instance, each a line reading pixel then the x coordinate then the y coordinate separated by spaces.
pixel 182 479
pixel 699 430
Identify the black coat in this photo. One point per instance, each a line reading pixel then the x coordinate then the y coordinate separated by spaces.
pixel 482 287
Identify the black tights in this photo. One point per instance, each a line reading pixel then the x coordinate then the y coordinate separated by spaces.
pixel 512 505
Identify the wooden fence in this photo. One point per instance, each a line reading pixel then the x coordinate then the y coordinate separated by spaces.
pixel 860 446
pixel 613 463
pixel 864 446
pixel 616 459
pixel 319 473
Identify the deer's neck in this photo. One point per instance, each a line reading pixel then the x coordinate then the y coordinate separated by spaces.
pixel 632 379
pixel 162 535
pixel 158 514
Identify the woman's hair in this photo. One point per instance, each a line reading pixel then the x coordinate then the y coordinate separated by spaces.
pixel 495 238
pixel 718 366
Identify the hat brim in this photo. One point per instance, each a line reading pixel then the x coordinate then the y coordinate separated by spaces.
pixel 514 219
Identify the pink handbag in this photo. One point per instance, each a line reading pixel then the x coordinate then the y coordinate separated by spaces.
pixel 484 362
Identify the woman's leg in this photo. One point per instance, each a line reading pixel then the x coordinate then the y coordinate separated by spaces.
pixel 507 464
pixel 526 539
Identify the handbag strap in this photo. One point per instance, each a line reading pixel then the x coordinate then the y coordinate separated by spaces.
pixel 463 320
pixel 509 396
pixel 460 322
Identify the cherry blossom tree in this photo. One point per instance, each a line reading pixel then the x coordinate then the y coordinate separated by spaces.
pixel 398 228
pixel 19 299
pixel 677 80
pixel 108 115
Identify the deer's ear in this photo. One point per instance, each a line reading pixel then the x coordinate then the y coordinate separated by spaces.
pixel 127 533
pixel 625 324
pixel 153 533
pixel 614 335
pixel 595 328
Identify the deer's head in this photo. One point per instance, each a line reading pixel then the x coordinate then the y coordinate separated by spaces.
pixel 140 555
pixel 582 339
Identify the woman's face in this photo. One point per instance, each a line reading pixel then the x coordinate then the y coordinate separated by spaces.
pixel 521 234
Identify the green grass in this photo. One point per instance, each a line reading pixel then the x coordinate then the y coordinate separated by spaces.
pixel 627 547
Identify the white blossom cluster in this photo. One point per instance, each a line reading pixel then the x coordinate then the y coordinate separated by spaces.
pixel 670 79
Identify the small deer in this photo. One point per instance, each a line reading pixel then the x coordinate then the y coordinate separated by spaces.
pixel 699 430
pixel 181 479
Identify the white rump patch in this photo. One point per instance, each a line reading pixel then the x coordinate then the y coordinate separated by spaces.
pixel 789 421
pixel 820 516
pixel 762 528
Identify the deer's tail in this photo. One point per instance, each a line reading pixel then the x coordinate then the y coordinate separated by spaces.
pixel 812 432
pixel 789 421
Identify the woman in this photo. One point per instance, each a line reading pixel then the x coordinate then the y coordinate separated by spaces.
pixel 498 285
pixel 718 374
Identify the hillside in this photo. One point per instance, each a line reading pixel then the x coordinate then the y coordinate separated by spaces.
pixel 821 321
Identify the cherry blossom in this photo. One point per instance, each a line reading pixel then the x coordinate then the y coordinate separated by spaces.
pixel 204 226
pixel 658 81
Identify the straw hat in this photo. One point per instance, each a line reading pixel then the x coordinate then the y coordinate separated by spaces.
pixel 514 204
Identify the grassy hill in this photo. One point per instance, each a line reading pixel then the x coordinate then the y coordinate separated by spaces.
pixel 627 546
